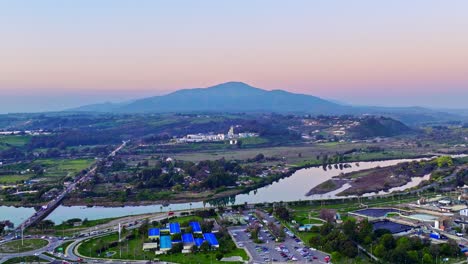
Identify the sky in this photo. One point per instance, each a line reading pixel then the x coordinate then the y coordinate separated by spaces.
pixel 60 54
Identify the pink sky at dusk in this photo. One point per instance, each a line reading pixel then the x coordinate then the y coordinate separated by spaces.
pixel 356 52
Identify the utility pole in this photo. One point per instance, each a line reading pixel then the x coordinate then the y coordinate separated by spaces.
pixel 120 230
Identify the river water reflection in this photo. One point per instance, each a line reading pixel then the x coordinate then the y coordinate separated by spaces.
pixel 292 188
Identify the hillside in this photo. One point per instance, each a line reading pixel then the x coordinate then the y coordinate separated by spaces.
pixel 379 127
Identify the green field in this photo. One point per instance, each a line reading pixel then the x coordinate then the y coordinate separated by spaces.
pixel 299 155
pixel 251 141
pixel 54 168
pixel 9 179
pixel 63 167
pixel 14 140
pixel 17 246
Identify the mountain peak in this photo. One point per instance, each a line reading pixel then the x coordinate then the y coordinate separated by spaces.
pixel 230 97
pixel 232 85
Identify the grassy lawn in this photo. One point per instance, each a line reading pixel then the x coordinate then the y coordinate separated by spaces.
pixel 27 259
pixel 185 219
pixel 29 244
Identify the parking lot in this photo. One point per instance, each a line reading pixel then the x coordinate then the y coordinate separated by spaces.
pixel 290 250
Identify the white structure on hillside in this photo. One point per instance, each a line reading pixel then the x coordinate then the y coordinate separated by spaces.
pixel 231 132
pixel 210 137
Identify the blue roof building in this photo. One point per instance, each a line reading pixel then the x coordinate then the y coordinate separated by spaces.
pixel 196 227
pixel 165 243
pixel 188 240
pixel 211 238
pixel 199 241
pixel 174 228
pixel 154 233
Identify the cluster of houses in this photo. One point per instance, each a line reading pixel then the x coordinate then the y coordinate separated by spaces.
pixel 333 126
pixel 23 132
pixel 211 137
pixel 163 239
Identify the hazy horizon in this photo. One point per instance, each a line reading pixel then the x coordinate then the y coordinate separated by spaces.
pixel 21 102
pixel 59 55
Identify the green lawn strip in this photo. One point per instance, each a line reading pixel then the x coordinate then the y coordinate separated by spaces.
pixel 17 245
pixel 184 220
pixel 199 257
pixel 65 229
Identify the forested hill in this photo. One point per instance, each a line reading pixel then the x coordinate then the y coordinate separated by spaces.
pixel 379 127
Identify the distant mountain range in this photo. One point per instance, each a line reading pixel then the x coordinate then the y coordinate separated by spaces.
pixel 241 97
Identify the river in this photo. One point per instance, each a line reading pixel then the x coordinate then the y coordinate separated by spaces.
pixel 292 188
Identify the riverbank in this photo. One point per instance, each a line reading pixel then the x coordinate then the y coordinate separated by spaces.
pixel 383 179
pixel 188 197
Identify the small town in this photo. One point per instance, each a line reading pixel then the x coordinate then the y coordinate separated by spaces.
pixel 230 137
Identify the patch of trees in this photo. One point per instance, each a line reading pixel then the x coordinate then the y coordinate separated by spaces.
pixel 413 249
pixel 12 153
pixel 328 215
pixel 283 213
pixel 45 224
pixel 206 213
pixel 332 239
pixel 462 177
